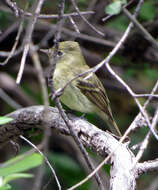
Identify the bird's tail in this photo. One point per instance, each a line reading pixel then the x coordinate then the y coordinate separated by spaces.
pixel 111 124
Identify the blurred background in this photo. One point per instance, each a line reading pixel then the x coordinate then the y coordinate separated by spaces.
pixel 136 63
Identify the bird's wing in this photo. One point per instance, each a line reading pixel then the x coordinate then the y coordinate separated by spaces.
pixel 95 92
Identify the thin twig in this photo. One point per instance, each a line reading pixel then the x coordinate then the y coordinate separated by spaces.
pixel 94 70
pixel 47 132
pixel 43 16
pixel 20 29
pixel 80 35
pixel 10 101
pixel 147 35
pixel 17 52
pixel 109 16
pixel 145 142
pixel 51 16
pixel 41 77
pixel 53 59
pixel 15 44
pixel 22 64
pixel 45 158
pixel 137 118
pixel 13 6
pixel 74 24
pixel 28 37
pixel 9 30
pixel 85 20
pixel 136 100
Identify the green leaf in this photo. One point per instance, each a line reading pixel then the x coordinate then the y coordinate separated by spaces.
pixel 70 171
pixel 4 120
pixel 20 163
pixel 148 11
pixel 151 73
pixel 5 187
pixel 113 8
pixel 119 23
pixel 123 2
pixel 107 168
pixel 16 176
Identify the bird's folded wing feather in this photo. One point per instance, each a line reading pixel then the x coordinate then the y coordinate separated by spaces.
pixel 95 92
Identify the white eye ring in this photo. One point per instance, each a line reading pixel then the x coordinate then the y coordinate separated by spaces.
pixel 60 53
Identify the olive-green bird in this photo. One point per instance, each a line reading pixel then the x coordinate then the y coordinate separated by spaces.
pixel 84 94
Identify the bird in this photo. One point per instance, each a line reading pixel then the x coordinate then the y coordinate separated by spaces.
pixel 86 93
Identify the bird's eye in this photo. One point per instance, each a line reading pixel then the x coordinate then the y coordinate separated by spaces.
pixel 60 53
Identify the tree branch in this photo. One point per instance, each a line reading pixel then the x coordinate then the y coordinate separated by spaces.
pixel 97 140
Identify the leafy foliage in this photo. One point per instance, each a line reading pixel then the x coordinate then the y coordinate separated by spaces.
pixel 4 120
pixel 13 168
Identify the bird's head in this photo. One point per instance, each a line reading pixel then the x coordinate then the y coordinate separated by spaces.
pixel 66 48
